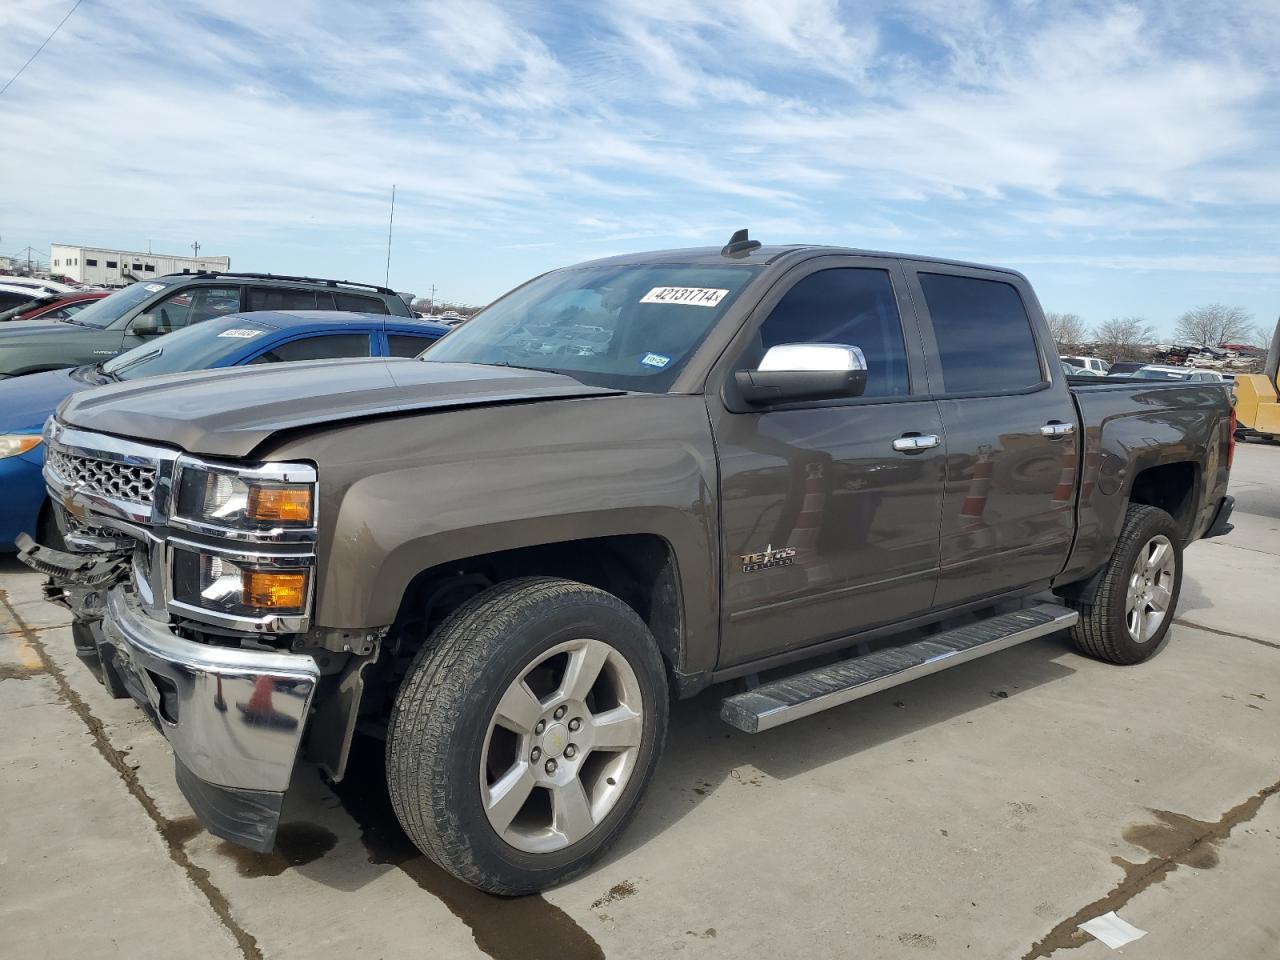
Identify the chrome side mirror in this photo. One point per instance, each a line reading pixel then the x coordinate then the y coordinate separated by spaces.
pixel 793 372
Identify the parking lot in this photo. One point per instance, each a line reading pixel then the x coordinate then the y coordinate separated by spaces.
pixel 983 811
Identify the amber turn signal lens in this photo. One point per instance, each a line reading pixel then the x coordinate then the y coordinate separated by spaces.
pixel 274 591
pixel 279 504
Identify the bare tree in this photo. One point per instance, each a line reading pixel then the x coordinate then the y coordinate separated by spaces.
pixel 1124 338
pixel 1215 324
pixel 1067 328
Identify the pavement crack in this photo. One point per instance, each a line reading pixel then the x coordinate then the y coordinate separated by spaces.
pixel 1182 622
pixel 172 838
pixel 1181 841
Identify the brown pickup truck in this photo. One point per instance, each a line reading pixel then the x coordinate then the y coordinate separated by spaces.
pixel 802 473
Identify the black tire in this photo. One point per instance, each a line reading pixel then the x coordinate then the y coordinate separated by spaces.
pixel 47 531
pixel 1102 631
pixel 440 721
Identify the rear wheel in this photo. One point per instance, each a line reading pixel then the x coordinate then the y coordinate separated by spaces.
pixel 1133 607
pixel 525 733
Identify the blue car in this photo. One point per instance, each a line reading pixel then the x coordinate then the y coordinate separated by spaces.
pixel 259 337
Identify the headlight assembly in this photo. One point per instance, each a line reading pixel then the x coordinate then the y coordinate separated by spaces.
pixel 239 587
pixel 247 500
pixel 16 444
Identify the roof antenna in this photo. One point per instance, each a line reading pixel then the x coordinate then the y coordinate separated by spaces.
pixel 739 245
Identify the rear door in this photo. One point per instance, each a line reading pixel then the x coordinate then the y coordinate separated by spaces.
pixel 1009 504
pixel 407 343
pixel 826 528
pixel 317 346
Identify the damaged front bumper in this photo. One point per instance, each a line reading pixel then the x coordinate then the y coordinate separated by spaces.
pixel 234 717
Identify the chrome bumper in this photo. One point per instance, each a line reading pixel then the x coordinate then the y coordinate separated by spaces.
pixel 235 718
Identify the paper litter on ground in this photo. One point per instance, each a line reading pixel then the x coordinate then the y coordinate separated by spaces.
pixel 1111 930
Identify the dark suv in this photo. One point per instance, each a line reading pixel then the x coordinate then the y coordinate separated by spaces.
pixel 153 308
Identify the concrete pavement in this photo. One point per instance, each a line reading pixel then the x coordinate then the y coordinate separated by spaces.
pixel 983 811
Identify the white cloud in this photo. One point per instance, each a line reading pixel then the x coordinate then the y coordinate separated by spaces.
pixel 645 122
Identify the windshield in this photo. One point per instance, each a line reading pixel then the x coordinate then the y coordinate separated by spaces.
pixel 197 347
pixel 628 327
pixel 102 313
pixel 1150 373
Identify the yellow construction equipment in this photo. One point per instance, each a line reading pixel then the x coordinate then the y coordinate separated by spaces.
pixel 1257 403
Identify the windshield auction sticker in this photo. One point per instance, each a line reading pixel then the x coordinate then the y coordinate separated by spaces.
pixel 240 333
pixel 690 296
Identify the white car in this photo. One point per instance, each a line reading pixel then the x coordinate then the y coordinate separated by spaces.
pixel 1154 371
pixel 1095 365
pixel 14 295
pixel 43 286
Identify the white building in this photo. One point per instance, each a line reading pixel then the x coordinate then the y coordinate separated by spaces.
pixel 108 267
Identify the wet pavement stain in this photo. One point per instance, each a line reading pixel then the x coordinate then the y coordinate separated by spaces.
pixel 516 928
pixel 14 673
pixel 297 844
pixel 619 891
pixel 1174 840
pixel 178 832
pixel 921 941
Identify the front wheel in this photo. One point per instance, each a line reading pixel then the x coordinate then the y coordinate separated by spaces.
pixel 525 733
pixel 1133 607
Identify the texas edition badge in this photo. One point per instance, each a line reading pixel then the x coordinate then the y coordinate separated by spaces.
pixel 751 562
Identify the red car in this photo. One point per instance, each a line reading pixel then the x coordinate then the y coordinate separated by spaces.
pixel 54 308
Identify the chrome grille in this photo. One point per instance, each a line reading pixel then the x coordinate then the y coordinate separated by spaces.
pixel 120 481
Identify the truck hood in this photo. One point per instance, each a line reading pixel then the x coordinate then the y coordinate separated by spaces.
pixel 230 412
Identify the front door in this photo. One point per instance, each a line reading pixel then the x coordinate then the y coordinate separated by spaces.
pixel 826 528
pixel 183 308
pixel 1009 508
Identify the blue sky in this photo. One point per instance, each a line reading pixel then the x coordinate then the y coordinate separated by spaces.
pixel 1125 156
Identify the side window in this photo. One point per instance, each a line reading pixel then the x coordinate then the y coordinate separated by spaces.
pixel 851 306
pixel 194 305
pixel 270 298
pixel 358 304
pixel 404 345
pixel 983 334
pixel 331 346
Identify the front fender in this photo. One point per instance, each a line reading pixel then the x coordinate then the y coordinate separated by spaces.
pixel 437 487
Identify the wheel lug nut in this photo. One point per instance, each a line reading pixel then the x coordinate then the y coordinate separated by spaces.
pixel 551 766
pixel 537 753
pixel 570 751
pixel 561 711
pixel 539 727
pixel 575 725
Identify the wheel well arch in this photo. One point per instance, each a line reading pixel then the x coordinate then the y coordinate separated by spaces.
pixel 639 568
pixel 1171 487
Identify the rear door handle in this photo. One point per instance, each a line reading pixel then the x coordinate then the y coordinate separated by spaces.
pixel 1056 429
pixel 915 441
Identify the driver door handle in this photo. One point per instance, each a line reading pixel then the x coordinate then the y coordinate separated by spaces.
pixel 911 442
pixel 1056 429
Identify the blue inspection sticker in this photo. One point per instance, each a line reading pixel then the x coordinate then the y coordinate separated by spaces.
pixel 655 360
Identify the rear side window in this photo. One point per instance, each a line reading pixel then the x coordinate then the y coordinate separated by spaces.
pixel 983 334
pixel 326 347
pixel 267 298
pixel 851 306
pixel 404 345
pixel 358 304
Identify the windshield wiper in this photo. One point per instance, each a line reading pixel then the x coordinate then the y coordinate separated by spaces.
pixel 114 374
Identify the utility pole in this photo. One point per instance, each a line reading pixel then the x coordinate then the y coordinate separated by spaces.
pixel 432 302
pixel 195 250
